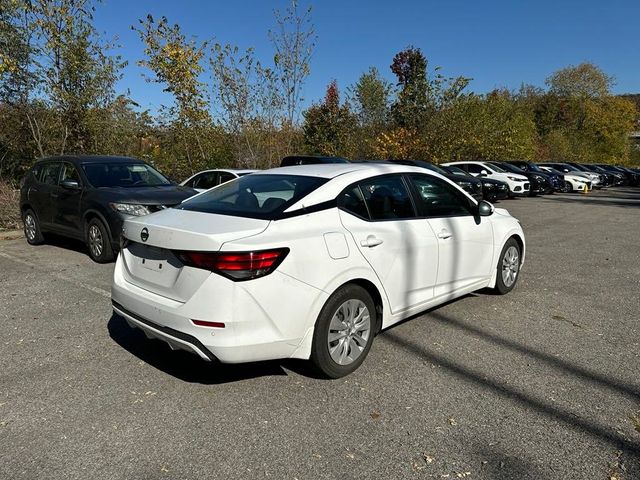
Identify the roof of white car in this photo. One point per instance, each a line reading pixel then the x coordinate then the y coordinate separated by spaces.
pixel 332 170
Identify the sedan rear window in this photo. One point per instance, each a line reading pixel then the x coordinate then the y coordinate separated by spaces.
pixel 255 196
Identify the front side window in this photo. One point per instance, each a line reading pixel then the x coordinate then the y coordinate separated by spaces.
pixel 255 196
pixel 387 198
pixel 50 172
pixel 121 174
pixel 474 168
pixel 439 199
pixel 69 172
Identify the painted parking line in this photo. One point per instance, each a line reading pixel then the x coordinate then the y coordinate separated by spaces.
pixel 65 278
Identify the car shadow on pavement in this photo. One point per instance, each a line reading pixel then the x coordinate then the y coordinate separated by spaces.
pixel 189 367
pixel 621 197
pixel 629 448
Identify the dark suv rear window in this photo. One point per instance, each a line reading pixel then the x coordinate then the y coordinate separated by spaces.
pixel 255 196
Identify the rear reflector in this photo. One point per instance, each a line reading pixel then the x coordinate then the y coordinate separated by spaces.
pixel 203 323
pixel 236 265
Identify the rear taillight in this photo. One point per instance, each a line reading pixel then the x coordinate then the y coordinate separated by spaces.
pixel 236 265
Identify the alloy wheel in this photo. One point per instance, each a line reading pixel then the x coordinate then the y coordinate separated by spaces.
pixel 95 241
pixel 510 266
pixel 349 332
pixel 30 227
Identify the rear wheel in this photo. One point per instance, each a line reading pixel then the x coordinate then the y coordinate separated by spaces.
pixel 32 230
pixel 344 332
pixel 98 242
pixel 567 188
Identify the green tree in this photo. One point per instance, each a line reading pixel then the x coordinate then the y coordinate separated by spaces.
pixel 176 63
pixel 328 126
pixel 584 81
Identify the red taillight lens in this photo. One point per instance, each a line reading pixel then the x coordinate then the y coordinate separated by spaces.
pixel 236 265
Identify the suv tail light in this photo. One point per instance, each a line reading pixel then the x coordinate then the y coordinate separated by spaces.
pixel 236 266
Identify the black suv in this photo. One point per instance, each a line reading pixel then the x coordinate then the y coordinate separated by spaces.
pixel 88 197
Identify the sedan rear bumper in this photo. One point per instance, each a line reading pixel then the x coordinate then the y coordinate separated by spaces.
pixel 175 339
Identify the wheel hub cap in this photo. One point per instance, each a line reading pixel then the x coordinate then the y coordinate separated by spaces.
pixel 95 240
pixel 510 266
pixel 349 332
pixel 30 227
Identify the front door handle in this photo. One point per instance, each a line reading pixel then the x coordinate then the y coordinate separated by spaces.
pixel 371 241
pixel 444 233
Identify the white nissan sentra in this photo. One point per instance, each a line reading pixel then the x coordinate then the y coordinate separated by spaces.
pixel 309 261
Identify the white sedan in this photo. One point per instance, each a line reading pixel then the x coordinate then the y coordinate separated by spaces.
pixel 309 262
pixel 573 181
pixel 207 179
pixel 518 184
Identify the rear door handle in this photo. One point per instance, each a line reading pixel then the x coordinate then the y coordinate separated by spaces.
pixel 371 241
pixel 444 233
pixel 54 195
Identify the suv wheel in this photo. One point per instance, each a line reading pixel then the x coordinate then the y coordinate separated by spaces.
pixel 32 230
pixel 98 242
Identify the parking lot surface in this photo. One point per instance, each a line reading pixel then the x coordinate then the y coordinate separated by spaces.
pixel 543 383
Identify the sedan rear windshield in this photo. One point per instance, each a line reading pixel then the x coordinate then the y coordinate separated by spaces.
pixel 110 175
pixel 254 196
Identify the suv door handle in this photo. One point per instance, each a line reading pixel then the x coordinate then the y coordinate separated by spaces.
pixel 371 241
pixel 444 233
pixel 54 195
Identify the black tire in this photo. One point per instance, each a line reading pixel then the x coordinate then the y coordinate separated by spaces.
pixel 503 285
pixel 321 356
pixel 98 242
pixel 567 188
pixel 32 231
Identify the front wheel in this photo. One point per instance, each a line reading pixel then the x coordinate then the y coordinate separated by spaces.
pixel 98 242
pixel 508 267
pixel 567 188
pixel 344 332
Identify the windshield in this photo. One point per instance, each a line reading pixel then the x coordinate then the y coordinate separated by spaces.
pixel 497 168
pixel 534 168
pixel 254 196
pixel 506 167
pixel 455 170
pixel 110 175
pixel 552 170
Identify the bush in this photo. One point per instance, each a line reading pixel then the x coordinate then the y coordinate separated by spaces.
pixel 9 207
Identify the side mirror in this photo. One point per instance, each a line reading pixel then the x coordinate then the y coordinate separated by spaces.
pixel 485 208
pixel 484 173
pixel 70 185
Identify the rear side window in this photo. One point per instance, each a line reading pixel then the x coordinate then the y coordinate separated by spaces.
pixel 37 171
pixel 50 172
pixel 387 198
pixel 255 196
pixel 226 176
pixel 439 199
pixel 205 180
pixel 352 201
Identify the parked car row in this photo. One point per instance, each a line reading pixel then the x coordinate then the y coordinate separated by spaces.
pixel 357 247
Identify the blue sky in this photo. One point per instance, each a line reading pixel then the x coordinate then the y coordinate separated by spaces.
pixel 499 43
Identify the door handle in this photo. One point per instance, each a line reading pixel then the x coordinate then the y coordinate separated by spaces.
pixel 371 241
pixel 54 195
pixel 444 233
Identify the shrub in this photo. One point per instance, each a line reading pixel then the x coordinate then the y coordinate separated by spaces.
pixel 9 207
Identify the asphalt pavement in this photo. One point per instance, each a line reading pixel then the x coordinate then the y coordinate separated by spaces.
pixel 543 383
